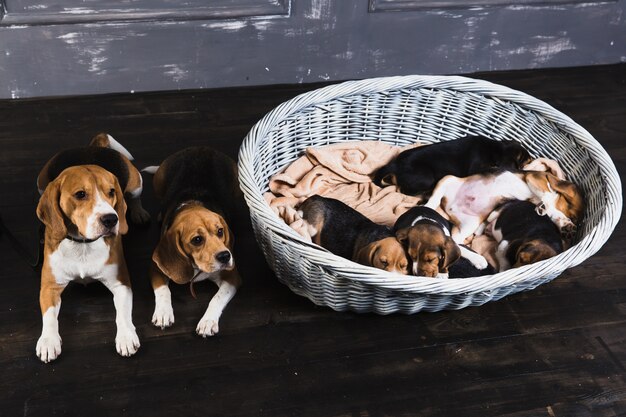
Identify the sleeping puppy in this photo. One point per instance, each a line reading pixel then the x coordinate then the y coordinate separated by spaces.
pixel 416 171
pixel 426 236
pixel 469 201
pixel 109 154
pixel 198 191
pixel 347 233
pixel 524 237
pixel 84 212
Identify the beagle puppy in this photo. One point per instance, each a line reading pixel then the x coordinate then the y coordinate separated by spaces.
pixel 198 191
pixel 108 153
pixel 523 236
pixel 469 201
pixel 425 235
pixel 84 212
pixel 416 171
pixel 347 233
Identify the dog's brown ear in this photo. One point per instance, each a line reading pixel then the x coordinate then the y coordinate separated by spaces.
pixel 450 254
pixel 120 208
pixel 171 259
pixel 365 255
pixel 49 210
pixel 533 251
pixel 403 236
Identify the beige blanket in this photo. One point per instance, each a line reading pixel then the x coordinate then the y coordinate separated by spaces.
pixel 341 171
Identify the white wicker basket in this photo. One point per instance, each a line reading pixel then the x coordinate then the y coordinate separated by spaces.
pixel 400 111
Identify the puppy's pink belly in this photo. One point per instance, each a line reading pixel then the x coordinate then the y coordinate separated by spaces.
pixel 471 205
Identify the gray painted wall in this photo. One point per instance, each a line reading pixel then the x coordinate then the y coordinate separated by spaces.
pixel 69 47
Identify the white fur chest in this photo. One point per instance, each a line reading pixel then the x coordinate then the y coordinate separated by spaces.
pixel 81 261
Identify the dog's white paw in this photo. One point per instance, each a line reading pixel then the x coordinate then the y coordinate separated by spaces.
pixel 127 342
pixel 163 316
pixel 207 327
pixel 48 347
pixel 479 261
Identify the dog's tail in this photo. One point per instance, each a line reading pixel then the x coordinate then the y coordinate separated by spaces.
pixel 104 140
pixel 151 169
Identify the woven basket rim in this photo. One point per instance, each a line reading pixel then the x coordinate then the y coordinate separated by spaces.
pixel 348 269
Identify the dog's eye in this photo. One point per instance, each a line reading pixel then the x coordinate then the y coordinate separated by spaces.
pixel 384 262
pixel 220 232
pixel 197 240
pixel 80 195
pixel 111 192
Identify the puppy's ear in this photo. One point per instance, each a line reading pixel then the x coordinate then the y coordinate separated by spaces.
pixel 49 210
pixel 403 236
pixel 171 259
pixel 533 251
pixel 366 254
pixel 120 208
pixel 450 254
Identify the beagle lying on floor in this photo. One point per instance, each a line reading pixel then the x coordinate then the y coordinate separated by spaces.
pixel 347 233
pixel 524 237
pixel 198 191
pixel 416 171
pixel 426 236
pixel 82 206
pixel 469 201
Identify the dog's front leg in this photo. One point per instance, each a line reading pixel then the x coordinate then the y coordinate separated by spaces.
pixel 163 312
pixel 126 339
pixel 228 282
pixel 475 259
pixel 49 343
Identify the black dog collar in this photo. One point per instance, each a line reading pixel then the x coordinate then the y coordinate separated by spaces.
pixel 81 240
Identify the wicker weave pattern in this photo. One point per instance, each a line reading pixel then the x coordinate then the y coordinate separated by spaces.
pixel 400 111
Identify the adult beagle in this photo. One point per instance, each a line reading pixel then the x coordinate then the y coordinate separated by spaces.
pixel 84 212
pixel 347 233
pixel 523 236
pixel 104 151
pixel 469 201
pixel 416 171
pixel 425 235
pixel 198 191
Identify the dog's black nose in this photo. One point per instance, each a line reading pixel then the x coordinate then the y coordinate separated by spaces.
pixel 109 220
pixel 223 257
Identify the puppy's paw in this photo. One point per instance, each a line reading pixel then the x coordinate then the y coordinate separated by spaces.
pixel 442 275
pixel 163 316
pixel 139 215
pixel 126 342
pixel 479 261
pixel 48 347
pixel 207 327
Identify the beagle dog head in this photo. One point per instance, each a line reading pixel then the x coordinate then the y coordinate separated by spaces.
pixel 533 251
pixel 84 201
pixel 429 249
pixel 196 239
pixel 386 254
pixel 561 200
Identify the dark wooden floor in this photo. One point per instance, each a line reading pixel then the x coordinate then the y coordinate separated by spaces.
pixel 559 350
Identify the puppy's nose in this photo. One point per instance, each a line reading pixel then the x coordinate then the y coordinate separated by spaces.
pixel 109 220
pixel 223 257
